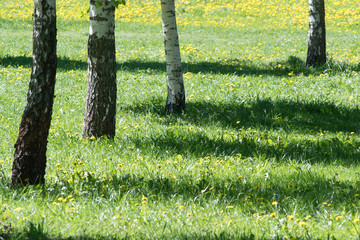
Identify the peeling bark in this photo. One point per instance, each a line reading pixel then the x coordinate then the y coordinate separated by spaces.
pixel 175 102
pixel 30 148
pixel 316 54
pixel 100 107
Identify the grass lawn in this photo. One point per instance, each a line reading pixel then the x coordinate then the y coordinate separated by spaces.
pixel 266 149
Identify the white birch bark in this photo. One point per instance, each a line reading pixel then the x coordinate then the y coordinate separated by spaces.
pixel 175 85
pixel 317 35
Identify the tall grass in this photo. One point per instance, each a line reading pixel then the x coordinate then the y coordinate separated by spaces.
pixel 266 149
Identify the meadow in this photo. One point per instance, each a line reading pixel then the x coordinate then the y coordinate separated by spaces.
pixel 266 149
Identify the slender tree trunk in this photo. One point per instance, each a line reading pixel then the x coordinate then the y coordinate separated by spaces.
pixel 175 102
pixel 317 35
pixel 100 107
pixel 30 148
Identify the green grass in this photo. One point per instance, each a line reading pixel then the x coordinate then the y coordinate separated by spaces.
pixel 264 142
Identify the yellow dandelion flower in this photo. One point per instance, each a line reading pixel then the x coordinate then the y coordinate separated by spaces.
pixel 274 203
pixel 338 218
pixel 18 209
pixel 301 223
pixel 290 217
pixel 356 220
pixel 230 207
pixel 181 207
pixel 272 214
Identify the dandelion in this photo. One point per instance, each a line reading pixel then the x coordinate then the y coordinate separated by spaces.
pixel 181 207
pixel 189 214
pixel 230 207
pixel 308 217
pixel 229 222
pixel 301 223
pixel 290 217
pixel 272 214
pixel 356 195
pixel 18 209
pixel 338 218
pixel 356 220
pixel 275 203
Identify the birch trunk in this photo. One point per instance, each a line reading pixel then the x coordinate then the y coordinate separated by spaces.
pixel 30 148
pixel 316 54
pixel 175 102
pixel 100 107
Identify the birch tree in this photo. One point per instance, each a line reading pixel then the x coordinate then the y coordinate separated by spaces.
pixel 175 102
pixel 316 54
pixel 30 148
pixel 100 107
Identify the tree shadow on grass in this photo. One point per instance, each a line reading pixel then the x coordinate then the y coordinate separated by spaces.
pixel 255 195
pixel 64 63
pixel 263 113
pixel 184 236
pixel 266 116
pixel 233 66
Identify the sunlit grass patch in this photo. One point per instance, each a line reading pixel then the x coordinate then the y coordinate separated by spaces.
pixel 267 148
